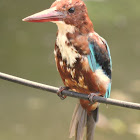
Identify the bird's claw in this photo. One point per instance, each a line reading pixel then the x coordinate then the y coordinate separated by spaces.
pixel 59 92
pixel 90 97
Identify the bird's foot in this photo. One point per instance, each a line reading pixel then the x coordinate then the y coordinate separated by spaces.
pixel 91 96
pixel 59 92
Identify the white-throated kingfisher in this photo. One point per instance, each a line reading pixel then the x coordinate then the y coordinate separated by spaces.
pixel 82 59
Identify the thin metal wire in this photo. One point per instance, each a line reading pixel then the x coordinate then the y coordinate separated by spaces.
pixel 67 92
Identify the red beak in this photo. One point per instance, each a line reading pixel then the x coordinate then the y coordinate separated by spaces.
pixel 46 16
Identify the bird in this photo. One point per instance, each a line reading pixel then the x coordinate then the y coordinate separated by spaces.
pixel 82 58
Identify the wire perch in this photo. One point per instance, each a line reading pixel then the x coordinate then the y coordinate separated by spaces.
pixel 68 93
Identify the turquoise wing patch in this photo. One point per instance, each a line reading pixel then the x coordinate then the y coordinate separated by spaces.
pixel 91 58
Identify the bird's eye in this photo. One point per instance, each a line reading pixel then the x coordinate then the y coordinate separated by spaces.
pixel 71 10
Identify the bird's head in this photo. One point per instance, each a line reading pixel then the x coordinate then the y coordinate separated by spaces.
pixel 64 12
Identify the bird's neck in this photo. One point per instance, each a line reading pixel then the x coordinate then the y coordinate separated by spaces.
pixel 71 43
pixel 65 28
pixel 67 50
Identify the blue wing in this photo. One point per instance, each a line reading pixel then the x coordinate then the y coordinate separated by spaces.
pixel 100 58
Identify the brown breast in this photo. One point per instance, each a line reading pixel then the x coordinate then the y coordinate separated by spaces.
pixel 80 77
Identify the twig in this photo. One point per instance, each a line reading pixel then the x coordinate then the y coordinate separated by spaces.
pixel 68 93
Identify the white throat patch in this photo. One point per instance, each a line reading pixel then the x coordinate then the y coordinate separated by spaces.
pixel 69 53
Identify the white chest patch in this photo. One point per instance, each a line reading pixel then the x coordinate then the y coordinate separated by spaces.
pixel 69 53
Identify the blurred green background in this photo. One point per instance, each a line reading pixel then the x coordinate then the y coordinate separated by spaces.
pixel 26 50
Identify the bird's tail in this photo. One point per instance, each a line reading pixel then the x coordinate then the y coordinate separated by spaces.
pixel 80 121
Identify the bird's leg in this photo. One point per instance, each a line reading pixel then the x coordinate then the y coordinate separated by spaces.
pixel 59 92
pixel 91 95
